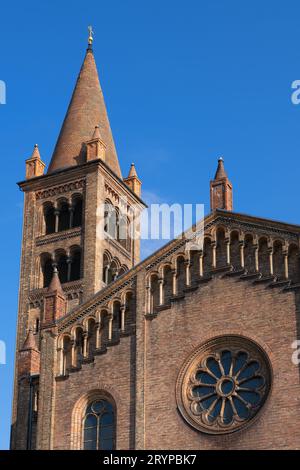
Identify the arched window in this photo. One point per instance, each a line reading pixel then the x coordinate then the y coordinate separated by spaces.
pixel 181 275
pixel 122 231
pixel 154 293
pixel 62 266
pixel 64 217
pixel 49 216
pixel 168 285
pixel 235 256
pixel 91 338
pixel 221 248
pixel 294 266
pixel 207 255
pixel 249 254
pixel 111 268
pixel 117 322
pixel 123 270
pixel 278 260
pixel 47 268
pixel 99 426
pixel 37 325
pixel 78 346
pixel 77 212
pixel 66 358
pixel 264 259
pixel 114 271
pixel 106 262
pixel 75 265
pixel 110 219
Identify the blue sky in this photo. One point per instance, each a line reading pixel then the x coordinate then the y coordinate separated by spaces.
pixel 184 82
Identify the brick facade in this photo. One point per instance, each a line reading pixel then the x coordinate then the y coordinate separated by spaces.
pixel 119 330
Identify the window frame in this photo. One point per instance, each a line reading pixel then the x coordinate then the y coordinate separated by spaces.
pixel 107 399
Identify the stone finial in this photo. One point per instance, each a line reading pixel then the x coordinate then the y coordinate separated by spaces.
pixel 132 171
pixel 29 357
pixel 221 189
pixel 91 36
pixel 96 133
pixel 132 180
pixel 29 342
pixel 54 301
pixel 220 173
pixel 55 285
pixel 34 164
pixel 95 148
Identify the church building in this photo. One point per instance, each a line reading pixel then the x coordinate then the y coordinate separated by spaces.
pixel 188 349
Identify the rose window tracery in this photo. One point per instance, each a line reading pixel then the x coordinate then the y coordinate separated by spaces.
pixel 224 384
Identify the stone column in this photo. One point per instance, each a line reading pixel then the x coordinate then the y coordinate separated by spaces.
pixel 60 354
pixel 187 273
pixel 242 253
pixel 271 261
pixel 98 334
pixel 227 241
pixel 56 214
pixel 123 310
pixel 71 212
pixel 110 327
pixel 148 298
pixel 174 283
pixel 73 352
pixel 256 258
pixel 69 263
pixel 106 273
pixel 161 291
pixel 85 344
pixel 286 264
pixel 201 264
pixel 214 254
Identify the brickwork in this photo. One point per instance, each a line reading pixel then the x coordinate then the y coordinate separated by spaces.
pixel 123 334
pixel 223 306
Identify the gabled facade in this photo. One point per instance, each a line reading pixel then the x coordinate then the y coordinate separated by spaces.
pixel 188 349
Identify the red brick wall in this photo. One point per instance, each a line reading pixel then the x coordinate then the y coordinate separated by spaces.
pixel 223 306
pixel 113 372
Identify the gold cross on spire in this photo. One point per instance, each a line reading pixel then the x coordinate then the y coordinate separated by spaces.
pixel 91 34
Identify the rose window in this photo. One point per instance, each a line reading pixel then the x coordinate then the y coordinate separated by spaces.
pixel 224 384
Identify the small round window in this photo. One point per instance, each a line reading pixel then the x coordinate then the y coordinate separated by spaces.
pixel 224 384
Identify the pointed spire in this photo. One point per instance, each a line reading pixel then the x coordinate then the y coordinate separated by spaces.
pixel 36 152
pixel 133 181
pixel 29 357
pixel 96 133
pixel 54 300
pixel 34 164
pixel 221 189
pixel 95 148
pixel 220 173
pixel 86 110
pixel 55 285
pixel 29 342
pixel 132 171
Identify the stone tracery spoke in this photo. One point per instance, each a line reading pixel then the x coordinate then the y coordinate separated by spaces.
pixel 227 386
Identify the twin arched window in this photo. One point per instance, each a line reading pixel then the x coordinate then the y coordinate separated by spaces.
pixel 65 216
pixel 99 426
pixel 69 266
pixel 117 225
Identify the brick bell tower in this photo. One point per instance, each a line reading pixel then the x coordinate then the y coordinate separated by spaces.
pixel 77 236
